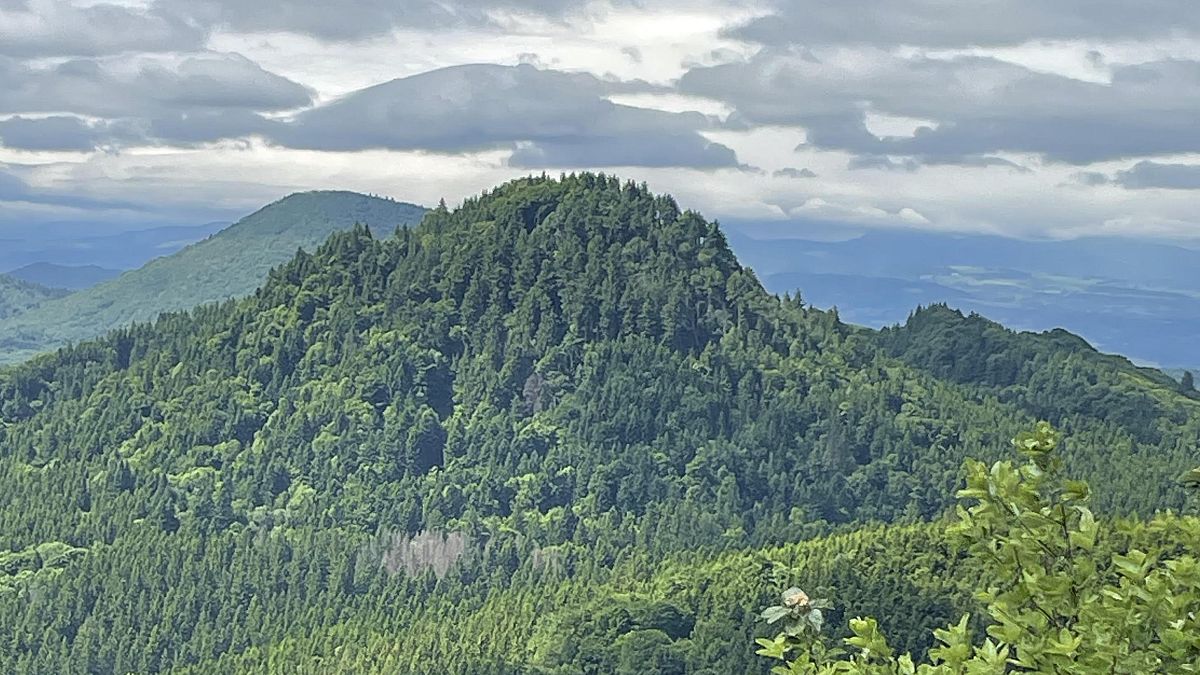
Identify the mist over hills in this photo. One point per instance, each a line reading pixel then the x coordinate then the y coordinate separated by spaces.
pixel 70 277
pixel 230 263
pixel 1139 299
pixel 79 244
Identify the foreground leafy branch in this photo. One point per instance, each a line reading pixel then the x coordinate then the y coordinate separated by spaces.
pixel 1060 598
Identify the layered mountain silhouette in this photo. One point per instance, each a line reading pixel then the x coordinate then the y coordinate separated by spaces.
pixel 228 264
pixel 71 277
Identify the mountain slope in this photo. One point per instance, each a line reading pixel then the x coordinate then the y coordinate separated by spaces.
pixel 1053 374
pixel 72 277
pixel 18 295
pixel 229 264
pixel 555 379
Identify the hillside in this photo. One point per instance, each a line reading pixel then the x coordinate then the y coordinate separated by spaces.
pixel 18 295
pixel 1054 374
pixel 685 614
pixel 71 277
pixel 411 449
pixel 228 264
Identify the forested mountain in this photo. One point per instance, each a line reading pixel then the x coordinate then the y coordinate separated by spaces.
pixel 72 277
pixel 18 295
pixel 540 433
pixel 231 263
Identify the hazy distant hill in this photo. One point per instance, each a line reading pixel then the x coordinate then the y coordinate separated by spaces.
pixel 228 264
pixel 71 277
pixel 1139 299
pixel 92 244
pixel 18 295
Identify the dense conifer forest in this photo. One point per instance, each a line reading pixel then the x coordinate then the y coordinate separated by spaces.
pixel 558 429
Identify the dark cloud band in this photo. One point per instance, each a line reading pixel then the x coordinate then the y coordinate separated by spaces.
pixel 977 106
pixel 966 23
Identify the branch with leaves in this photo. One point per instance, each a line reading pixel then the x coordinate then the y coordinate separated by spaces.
pixel 1059 601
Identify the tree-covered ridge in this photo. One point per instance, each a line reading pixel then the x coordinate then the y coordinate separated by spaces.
pixel 18 295
pixel 1034 369
pixel 231 263
pixel 575 375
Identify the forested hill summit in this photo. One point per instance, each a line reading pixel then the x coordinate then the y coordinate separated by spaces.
pixel 232 263
pixel 556 379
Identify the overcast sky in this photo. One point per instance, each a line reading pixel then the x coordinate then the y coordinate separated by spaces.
pixel 1021 117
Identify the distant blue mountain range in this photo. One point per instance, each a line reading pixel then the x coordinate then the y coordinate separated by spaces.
pixel 71 277
pixel 1140 299
pixel 81 244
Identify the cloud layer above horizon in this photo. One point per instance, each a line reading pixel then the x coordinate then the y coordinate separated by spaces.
pixel 1001 116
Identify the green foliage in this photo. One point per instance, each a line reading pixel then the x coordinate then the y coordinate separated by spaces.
pixel 34 565
pixel 1057 602
pixel 557 418
pixel 616 633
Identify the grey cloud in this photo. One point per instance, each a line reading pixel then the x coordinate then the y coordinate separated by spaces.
pixel 49 133
pixel 69 133
pixel 66 28
pixel 959 23
pixel 1144 175
pixel 229 81
pixel 979 105
pixel 207 126
pixel 62 28
pixel 140 101
pixel 792 172
pixel 913 163
pixel 649 150
pixel 1148 109
pixel 16 190
pixel 1076 140
pixel 971 160
pixel 146 87
pixel 1091 178
pixel 883 162
pixel 356 19
pixel 550 118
